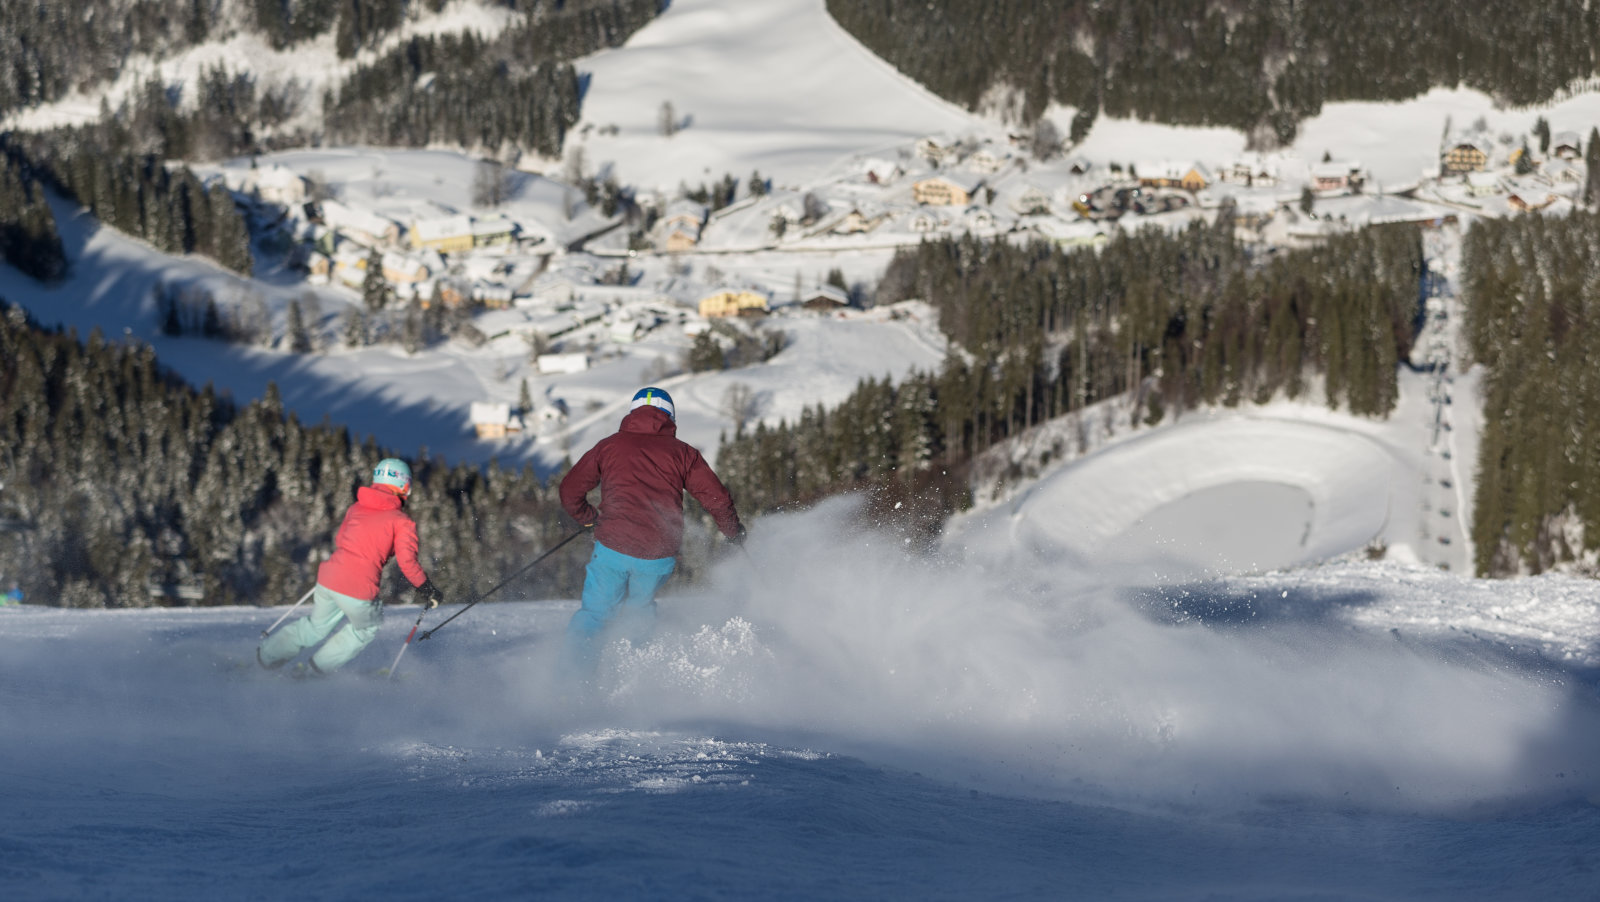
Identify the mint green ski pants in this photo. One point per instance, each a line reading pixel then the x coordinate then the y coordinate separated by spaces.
pixel 327 609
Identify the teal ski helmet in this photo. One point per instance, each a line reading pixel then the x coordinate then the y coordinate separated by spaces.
pixel 654 397
pixel 395 472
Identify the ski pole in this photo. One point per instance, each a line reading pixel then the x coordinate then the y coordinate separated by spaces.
pixel 268 630
pixel 503 583
pixel 400 654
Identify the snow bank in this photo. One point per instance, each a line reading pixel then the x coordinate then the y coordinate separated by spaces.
pixel 1093 509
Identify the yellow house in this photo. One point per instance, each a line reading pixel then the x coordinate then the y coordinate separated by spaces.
pixel 1188 176
pixel 732 303
pixel 445 234
pixel 939 191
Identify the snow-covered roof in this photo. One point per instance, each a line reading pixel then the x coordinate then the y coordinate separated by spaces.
pixel 350 219
pixel 1170 169
pixel 491 413
pixel 442 228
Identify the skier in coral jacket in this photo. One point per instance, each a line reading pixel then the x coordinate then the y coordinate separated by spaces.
pixel 375 529
pixel 642 472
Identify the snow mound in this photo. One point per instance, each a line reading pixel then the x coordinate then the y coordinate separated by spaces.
pixel 1234 495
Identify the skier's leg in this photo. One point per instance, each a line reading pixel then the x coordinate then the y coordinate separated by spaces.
pixel 301 634
pixel 636 616
pixel 604 583
pixel 365 618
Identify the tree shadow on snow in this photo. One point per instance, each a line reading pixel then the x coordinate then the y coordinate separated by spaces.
pixel 1232 608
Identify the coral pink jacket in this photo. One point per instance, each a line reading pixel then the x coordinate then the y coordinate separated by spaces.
pixel 374 530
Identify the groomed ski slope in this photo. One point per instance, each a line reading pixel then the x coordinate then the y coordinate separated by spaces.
pixel 839 721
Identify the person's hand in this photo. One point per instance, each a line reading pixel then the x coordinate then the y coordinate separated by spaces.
pixel 429 596
pixel 739 537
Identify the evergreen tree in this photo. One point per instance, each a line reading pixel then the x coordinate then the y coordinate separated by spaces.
pixel 411 336
pixel 355 327
pixel 1591 161
pixel 705 354
pixel 374 288
pixel 299 339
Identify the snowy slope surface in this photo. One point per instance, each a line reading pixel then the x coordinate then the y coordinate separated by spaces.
pixel 835 721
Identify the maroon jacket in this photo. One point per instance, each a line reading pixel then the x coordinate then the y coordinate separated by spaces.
pixel 642 472
pixel 374 529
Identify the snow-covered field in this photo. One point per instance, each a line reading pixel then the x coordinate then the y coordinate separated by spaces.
pixel 1161 667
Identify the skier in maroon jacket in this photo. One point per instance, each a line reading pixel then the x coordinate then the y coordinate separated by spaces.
pixel 375 529
pixel 642 472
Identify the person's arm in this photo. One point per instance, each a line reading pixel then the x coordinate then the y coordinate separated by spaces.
pixel 405 551
pixel 576 486
pixel 707 489
pixel 405 554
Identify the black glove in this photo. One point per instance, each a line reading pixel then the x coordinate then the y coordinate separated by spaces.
pixel 429 596
pixel 739 537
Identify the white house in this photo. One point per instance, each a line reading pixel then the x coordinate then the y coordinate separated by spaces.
pixel 1251 168
pixel 493 231
pixel 399 269
pixel 1566 145
pixel 979 219
pixel 1030 200
pixel 274 184
pixel 492 294
pixel 861 218
pixel 364 228
pixel 350 267
pixel 880 172
pixel 629 327
pixel 1483 184
pixel 562 363
pixel 552 416
pixel 933 151
pixel 985 161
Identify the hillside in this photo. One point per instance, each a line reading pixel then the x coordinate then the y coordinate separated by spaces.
pixel 811 110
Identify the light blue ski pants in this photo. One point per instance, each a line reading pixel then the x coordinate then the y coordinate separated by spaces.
pixel 619 589
pixel 327 609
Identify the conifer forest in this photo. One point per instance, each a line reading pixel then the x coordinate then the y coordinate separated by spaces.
pixel 1260 66
pixel 128 487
